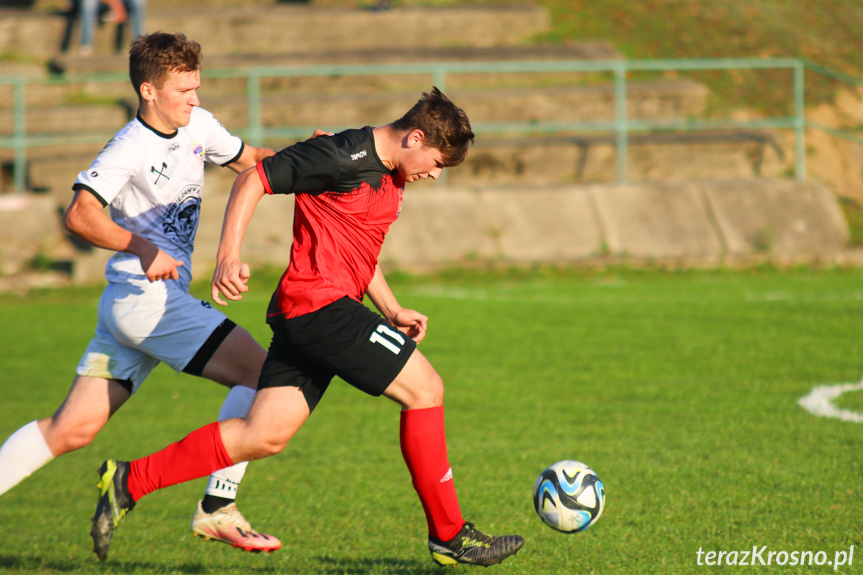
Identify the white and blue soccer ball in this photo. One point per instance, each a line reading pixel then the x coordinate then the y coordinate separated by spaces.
pixel 568 496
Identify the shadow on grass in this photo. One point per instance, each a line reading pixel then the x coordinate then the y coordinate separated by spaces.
pixel 382 566
pixel 37 564
pixel 15 563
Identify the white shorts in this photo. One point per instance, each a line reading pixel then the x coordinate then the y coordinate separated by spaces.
pixel 141 324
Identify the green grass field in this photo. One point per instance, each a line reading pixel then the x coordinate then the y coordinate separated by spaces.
pixel 679 388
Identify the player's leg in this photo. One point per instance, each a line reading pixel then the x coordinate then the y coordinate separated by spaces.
pixel 86 410
pixel 235 362
pixel 279 409
pixel 358 345
pixel 275 416
pixel 288 393
pixel 107 375
pixel 362 348
pixel 90 403
pixel 165 322
pixel 419 390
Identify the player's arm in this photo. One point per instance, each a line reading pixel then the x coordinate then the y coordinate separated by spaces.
pixel 301 168
pixel 252 155
pixel 231 274
pixel 85 219
pixel 411 322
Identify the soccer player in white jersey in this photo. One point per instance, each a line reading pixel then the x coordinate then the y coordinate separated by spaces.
pixel 151 176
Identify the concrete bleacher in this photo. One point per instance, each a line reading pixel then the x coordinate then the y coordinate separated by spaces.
pixel 267 28
pixel 516 199
pixel 343 101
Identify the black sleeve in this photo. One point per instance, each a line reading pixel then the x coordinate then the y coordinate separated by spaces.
pixel 305 167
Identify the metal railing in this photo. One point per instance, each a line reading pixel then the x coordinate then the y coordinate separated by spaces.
pixel 620 125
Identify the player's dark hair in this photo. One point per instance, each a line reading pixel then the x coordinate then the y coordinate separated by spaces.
pixel 152 56
pixel 446 127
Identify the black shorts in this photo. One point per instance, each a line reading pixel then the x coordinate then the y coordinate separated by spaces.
pixel 345 339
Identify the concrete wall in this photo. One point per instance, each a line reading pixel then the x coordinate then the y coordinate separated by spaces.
pixel 698 221
pixel 689 220
pixel 693 221
pixel 277 28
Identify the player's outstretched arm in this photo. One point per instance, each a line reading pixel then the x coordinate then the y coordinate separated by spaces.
pixel 252 155
pixel 410 322
pixel 85 219
pixel 231 275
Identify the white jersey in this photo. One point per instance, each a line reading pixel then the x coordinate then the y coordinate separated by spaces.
pixel 153 182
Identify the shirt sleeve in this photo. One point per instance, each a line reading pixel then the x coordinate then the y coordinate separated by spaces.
pixel 222 148
pixel 111 170
pixel 305 167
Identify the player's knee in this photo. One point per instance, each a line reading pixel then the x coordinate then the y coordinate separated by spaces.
pixel 271 446
pixel 427 394
pixel 272 442
pixel 71 438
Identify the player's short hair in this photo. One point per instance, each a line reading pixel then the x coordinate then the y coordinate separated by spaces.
pixel 153 56
pixel 446 126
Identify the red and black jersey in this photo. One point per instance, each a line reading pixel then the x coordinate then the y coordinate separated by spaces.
pixel 345 202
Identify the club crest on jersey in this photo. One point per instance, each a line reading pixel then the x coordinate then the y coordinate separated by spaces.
pixel 181 218
pixel 199 152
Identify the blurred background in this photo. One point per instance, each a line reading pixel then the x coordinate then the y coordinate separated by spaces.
pixel 690 132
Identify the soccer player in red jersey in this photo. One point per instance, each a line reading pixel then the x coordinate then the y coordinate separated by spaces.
pixel 347 191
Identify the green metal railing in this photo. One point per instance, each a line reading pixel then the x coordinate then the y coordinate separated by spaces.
pixel 620 125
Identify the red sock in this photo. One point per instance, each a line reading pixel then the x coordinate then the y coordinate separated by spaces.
pixel 423 442
pixel 197 455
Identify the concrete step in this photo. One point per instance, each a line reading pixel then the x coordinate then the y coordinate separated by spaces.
pixel 577 159
pixel 317 86
pixel 346 100
pixel 292 28
pixel 55 167
pixel 566 161
pixel 76 65
pixel 292 102
pixel 49 93
pixel 68 120
pixel 659 100
pixel 41 92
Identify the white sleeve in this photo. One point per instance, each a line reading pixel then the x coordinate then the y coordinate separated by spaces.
pixel 117 163
pixel 222 148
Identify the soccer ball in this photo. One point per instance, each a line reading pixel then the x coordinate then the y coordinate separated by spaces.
pixel 568 496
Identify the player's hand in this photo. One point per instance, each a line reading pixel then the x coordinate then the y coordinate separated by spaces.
pixel 160 266
pixel 411 323
pixel 320 132
pixel 230 279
